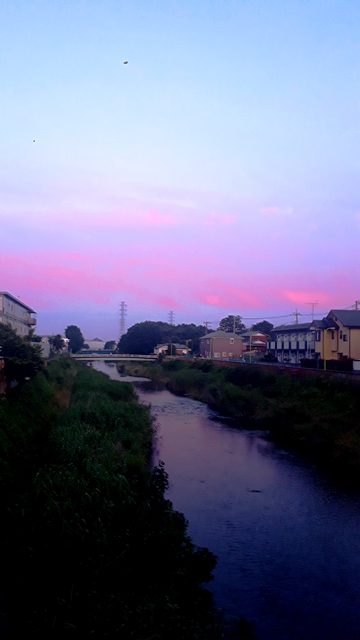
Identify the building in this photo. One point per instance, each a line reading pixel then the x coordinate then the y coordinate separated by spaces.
pixel 17 314
pixel 221 345
pixel 293 342
pixel 337 337
pixel 254 341
pixel 94 345
pixel 178 349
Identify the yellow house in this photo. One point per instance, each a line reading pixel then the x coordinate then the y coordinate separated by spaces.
pixel 337 336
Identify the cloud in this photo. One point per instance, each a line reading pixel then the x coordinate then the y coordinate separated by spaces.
pixel 307 297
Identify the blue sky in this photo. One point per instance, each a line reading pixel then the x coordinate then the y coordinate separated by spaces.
pixel 215 173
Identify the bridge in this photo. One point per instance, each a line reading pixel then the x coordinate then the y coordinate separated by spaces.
pixel 114 357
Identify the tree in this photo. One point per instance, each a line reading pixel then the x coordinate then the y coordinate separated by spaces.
pixel 227 324
pixel 144 336
pixel 141 338
pixel 264 326
pixel 111 345
pixel 75 337
pixel 22 360
pixel 57 343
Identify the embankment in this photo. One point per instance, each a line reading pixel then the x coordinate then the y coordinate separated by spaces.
pixel 89 544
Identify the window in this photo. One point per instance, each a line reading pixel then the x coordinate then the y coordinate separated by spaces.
pixel 224 354
pixel 340 335
pixel 217 354
pixel 231 340
pixel 230 354
pixel 317 336
pixel 332 335
pixel 345 337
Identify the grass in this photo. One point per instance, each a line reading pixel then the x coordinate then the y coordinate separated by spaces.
pixel 90 545
pixel 319 415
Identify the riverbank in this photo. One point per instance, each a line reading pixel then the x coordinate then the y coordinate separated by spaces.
pixel 317 415
pixel 89 544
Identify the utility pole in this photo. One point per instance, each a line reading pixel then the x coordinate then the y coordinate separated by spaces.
pixel 206 322
pixel 171 317
pixel 296 314
pixel 313 305
pixel 123 312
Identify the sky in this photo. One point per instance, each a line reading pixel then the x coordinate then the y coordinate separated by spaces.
pixel 216 173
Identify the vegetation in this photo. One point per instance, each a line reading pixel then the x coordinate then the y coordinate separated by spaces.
pixel 264 326
pixel 75 337
pixel 317 414
pixel 90 545
pixel 22 360
pixel 111 345
pixel 142 337
pixel 57 343
pixel 227 324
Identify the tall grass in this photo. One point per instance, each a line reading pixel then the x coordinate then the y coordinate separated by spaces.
pixel 320 415
pixel 92 546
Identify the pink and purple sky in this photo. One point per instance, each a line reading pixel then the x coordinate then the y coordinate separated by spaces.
pixel 217 173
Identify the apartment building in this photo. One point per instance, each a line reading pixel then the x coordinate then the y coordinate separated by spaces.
pixel 17 314
pixel 292 342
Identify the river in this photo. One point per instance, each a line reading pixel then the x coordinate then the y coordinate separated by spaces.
pixel 287 539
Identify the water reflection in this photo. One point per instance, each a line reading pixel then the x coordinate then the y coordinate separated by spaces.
pixel 287 541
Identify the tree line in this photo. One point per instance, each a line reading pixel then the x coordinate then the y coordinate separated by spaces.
pixel 143 337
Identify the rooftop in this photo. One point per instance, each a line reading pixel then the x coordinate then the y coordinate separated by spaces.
pixel 221 334
pixel 350 318
pixel 302 326
pixel 14 299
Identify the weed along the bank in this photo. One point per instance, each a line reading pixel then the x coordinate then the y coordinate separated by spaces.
pixel 90 545
pixel 316 414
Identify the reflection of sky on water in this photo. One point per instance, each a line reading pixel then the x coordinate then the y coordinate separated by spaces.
pixel 289 553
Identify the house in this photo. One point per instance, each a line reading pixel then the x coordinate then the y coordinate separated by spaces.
pixel 221 344
pixel 17 314
pixel 292 342
pixel 94 345
pixel 254 341
pixel 178 349
pixel 337 337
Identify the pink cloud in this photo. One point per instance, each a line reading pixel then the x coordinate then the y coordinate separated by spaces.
pixel 308 296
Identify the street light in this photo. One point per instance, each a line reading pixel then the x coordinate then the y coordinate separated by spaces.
pixel 324 353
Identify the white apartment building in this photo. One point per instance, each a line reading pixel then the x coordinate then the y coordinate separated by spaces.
pixel 290 343
pixel 17 314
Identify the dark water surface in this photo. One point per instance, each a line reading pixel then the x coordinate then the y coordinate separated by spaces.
pixel 287 540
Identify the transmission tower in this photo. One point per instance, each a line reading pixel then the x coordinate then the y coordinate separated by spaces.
pixel 171 317
pixel 123 312
pixel 356 305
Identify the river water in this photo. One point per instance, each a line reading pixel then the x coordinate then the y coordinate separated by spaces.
pixel 287 540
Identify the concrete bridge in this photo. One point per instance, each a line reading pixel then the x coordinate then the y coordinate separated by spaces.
pixel 114 357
